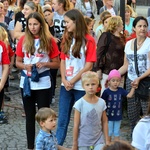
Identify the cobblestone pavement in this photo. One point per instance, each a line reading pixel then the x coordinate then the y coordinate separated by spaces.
pixel 13 134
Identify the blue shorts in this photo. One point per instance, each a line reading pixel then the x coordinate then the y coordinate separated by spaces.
pixel 114 128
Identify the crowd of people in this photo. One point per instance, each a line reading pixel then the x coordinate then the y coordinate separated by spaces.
pixel 40 40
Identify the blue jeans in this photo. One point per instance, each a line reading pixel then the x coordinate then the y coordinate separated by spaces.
pixel 66 102
pixel 114 128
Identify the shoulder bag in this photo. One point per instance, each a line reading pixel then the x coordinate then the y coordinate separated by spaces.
pixel 143 90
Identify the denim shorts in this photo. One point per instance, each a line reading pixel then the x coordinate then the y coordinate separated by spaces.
pixel 114 128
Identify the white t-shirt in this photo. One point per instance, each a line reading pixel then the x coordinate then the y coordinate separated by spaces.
pixel 88 8
pixel 90 128
pixel 141 134
pixel 112 11
pixel 59 25
pixel 142 58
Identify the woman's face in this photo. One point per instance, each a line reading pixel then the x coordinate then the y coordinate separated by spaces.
pixel 6 5
pixel 127 14
pixel 70 25
pixel 120 27
pixel 27 11
pixel 56 6
pixel 141 28
pixel 106 23
pixel 110 2
pixel 48 17
pixel 34 26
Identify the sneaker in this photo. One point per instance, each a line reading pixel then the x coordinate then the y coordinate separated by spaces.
pixel 6 98
pixel 2 115
pixel 3 121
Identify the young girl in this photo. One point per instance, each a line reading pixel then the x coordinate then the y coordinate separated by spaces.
pixel 90 23
pixel 39 48
pixel 4 38
pixel 60 8
pixel 113 97
pixel 4 69
pixel 90 124
pixel 77 56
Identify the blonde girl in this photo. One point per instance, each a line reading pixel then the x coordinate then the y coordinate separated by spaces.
pixel 4 38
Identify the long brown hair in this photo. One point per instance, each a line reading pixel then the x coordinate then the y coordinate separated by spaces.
pixel 66 4
pixel 80 32
pixel 44 35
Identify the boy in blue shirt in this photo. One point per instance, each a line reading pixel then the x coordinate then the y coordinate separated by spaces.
pixel 46 139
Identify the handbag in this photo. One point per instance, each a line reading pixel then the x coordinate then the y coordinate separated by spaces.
pixel 143 90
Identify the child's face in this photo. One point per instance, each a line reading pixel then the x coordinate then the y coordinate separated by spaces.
pixel 90 86
pixel 114 82
pixel 49 124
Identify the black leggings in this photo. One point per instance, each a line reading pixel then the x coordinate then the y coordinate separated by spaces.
pixel 1 98
pixel 42 98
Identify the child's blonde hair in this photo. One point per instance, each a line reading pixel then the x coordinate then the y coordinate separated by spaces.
pixel 44 113
pixel 4 36
pixel 89 75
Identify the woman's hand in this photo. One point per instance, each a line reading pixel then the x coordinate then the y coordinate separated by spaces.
pixel 135 83
pixel 39 65
pixel 67 84
pixel 28 67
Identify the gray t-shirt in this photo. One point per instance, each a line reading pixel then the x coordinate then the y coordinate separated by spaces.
pixel 90 128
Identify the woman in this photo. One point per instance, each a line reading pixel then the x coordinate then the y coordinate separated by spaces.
pixel 77 56
pixel 111 44
pixel 128 19
pixel 29 7
pixel 104 18
pixel 140 26
pixel 87 7
pixel 36 47
pixel 3 19
pixel 108 5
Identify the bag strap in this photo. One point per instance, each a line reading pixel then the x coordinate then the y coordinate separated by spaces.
pixel 135 57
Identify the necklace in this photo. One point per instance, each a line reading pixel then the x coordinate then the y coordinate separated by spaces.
pixel 139 44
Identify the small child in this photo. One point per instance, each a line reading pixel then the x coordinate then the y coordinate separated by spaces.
pixel 90 120
pixel 46 139
pixel 113 97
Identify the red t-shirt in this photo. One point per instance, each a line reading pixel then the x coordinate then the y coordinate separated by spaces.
pixel 3 54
